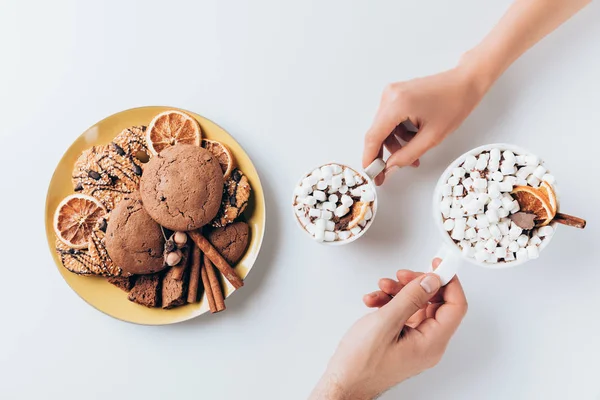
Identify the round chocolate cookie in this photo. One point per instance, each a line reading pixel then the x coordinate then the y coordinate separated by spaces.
pixel 235 199
pixel 230 241
pixel 182 187
pixel 133 240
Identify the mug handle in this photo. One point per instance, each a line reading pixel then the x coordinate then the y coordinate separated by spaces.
pixel 451 263
pixel 375 168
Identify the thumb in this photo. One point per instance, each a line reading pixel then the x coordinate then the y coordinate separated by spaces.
pixel 424 140
pixel 414 296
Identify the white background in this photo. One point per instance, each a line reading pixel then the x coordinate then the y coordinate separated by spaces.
pixel 297 83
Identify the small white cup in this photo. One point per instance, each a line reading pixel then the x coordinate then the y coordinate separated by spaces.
pixel 369 174
pixel 449 252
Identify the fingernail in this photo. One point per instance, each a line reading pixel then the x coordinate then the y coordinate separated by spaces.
pixel 371 295
pixel 389 171
pixel 416 164
pixel 430 284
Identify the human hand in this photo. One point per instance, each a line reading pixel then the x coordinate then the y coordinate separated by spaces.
pixel 436 105
pixel 407 335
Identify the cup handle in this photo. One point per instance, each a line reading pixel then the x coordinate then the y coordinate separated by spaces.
pixel 449 266
pixel 375 168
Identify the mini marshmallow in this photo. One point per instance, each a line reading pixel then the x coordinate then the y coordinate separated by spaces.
pixel 336 182
pixel 446 190
pixel 319 235
pixel 458 190
pixel 510 256
pixel 322 185
pixel 343 189
pixel 309 181
pixel 505 241
pixel 459 172
pixel 532 160
pixel 484 233
pixel 343 235
pixel 503 212
pixel 482 221
pixel 368 214
pixel 314 212
pixel 497 176
pixel 490 245
pixel 327 215
pixel 520 160
pixel 326 171
pixel 479 183
pixel 483 198
pixel 341 211
pixel 310 201
pixel 522 240
pixel 356 192
pixel 367 196
pixel 514 232
pixel 522 255
pixel 453 181
pixel 513 246
pixel 545 231
pixel 349 178
pixel 471 222
pixel 329 206
pixel 495 231
pixel 524 172
pixel 330 226
pixel 319 195
pixel 467 199
pixel 540 171
pixel 329 236
pixel 458 233
pixel 494 192
pixel 445 210
pixel 474 207
pixel 321 224
pixel 516 207
pixel 317 173
pixel 467 183
pixel 511 179
pixel 347 201
pixel 493 165
pixel 509 157
pixel 504 227
pixel 474 174
pixel 495 154
pixel 337 169
pixel 533 181
pixel 532 252
pixel 521 182
pixel 334 198
pixel 470 162
pixel 480 245
pixel 507 168
pixel 356 230
pixel 449 225
pixel 500 252
pixel 505 187
pixel 311 228
pixel 362 223
pixel 481 255
pixel 471 233
pixel 467 250
pixel 492 215
pixel 535 241
pixel 456 203
pixel 492 259
pixel 482 162
pixel 549 178
pixel 495 204
pixel 507 203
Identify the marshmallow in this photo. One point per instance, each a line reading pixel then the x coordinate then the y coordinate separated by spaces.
pixel 533 181
pixel 337 169
pixel 522 255
pixel 349 178
pixel 483 198
pixel 474 207
pixel 532 160
pixel 326 171
pixel 470 162
pixel 493 165
pixel 503 212
pixel 495 154
pixel 330 226
pixel 368 214
pixel 509 157
pixel 492 259
pixel 545 231
pixel 495 204
pixel 356 230
pixel 510 256
pixel 484 233
pixel 520 160
pixel 467 250
pixel 481 255
pixel 495 231
pixel 467 199
pixel 329 206
pixel 334 198
pixel 507 168
pixel 549 178
pixel 479 183
pixel 521 182
pixel 456 203
pixel 367 196
pixel 458 233
pixel 490 245
pixel 514 232
pixel 314 212
pixel 505 187
pixel 511 179
pixel 505 241
pixel 467 183
pixel 539 172
pixel 341 211
pixel 471 233
pixel 471 222
pixel 343 235
pixel 504 228
pixel 532 252
pixel 482 221
pixel 356 192
pixel 309 181
pixel 513 246
pixel 311 228
pixel 482 162
pixel 522 240
pixel 535 241
pixel 321 224
pixel 446 190
pixel 453 181
pixel 322 185
pixel 500 252
pixel 458 190
pixel 336 182
pixel 347 201
pixel 507 203
pixel 319 195
pixel 343 189
pixel 329 236
pixel 474 174
pixel 480 245
pixel 310 201
pixel 459 172
pixel 494 191
pixel 516 207
pixel 492 215
pixel 497 176
pixel 445 209
pixel 524 172
pixel 327 215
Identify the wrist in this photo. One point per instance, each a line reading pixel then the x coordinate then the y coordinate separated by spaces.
pixel 331 388
pixel 480 70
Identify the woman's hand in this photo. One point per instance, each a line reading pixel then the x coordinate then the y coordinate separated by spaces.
pixel 436 105
pixel 407 335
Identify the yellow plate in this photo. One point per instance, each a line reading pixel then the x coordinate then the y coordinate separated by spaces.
pixel 96 290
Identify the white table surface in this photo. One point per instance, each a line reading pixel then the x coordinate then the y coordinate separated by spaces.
pixel 297 83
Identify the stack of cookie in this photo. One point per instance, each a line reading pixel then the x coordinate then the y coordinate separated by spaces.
pixel 155 212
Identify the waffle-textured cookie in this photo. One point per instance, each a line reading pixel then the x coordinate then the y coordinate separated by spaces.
pixel 236 193
pixel 102 263
pixel 77 261
pixel 132 142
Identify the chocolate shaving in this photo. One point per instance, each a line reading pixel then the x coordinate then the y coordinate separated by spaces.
pixel 523 220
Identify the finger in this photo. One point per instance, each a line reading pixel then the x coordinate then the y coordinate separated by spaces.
pixel 390 286
pixel 449 314
pixel 417 318
pixel 382 127
pixel 404 276
pixel 414 296
pixel 413 150
pixel 376 299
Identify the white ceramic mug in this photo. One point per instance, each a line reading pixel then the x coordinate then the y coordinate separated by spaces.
pixel 369 174
pixel 451 255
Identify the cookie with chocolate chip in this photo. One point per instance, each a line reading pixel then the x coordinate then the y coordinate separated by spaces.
pixel 230 241
pixel 236 194
pixel 132 142
pixel 77 261
pixel 102 263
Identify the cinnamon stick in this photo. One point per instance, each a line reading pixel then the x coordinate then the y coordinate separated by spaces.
pixel 179 269
pixel 217 259
pixel 570 220
pixel 215 285
pixel 207 289
pixel 194 274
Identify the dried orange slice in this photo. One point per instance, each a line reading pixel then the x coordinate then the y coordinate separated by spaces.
pixel 534 201
pixel 358 212
pixel 171 127
pixel 75 218
pixel 548 191
pixel 222 153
